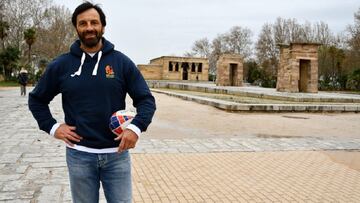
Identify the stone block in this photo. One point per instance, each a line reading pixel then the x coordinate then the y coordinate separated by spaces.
pixel 255 107
pixel 300 108
pixel 351 108
pixel 313 108
pixel 339 108
pixel 325 108
pixel 286 108
pixel 242 107
pixel 290 57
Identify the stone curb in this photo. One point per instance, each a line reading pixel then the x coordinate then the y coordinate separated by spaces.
pixel 246 144
pixel 233 106
pixel 308 97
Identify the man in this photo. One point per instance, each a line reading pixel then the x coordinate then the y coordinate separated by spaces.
pixel 93 79
pixel 23 79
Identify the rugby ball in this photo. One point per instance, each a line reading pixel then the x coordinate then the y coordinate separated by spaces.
pixel 120 120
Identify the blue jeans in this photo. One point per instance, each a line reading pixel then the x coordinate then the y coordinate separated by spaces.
pixel 87 170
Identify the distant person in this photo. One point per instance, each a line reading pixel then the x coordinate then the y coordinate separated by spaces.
pixel 93 80
pixel 23 80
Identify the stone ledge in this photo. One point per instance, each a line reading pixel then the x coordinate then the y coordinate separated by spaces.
pixel 233 106
pixel 285 96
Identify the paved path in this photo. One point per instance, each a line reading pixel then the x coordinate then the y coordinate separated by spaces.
pixel 242 169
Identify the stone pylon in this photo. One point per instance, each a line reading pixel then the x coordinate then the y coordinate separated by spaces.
pixel 298 70
pixel 229 70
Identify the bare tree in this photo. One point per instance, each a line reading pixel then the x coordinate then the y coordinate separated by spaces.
pixel 352 62
pixel 238 41
pixel 58 34
pixel 281 31
pixel 201 48
pixel 265 46
pixel 323 34
pixel 354 31
pixel 307 33
pixel 296 31
pixel 219 46
pixel 288 30
pixel 52 25
pixel 22 14
pixel 267 52
pixel 4 25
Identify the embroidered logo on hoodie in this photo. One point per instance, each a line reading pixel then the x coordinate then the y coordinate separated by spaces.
pixel 109 72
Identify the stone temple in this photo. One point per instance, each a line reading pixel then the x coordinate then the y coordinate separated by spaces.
pixel 176 68
pixel 297 72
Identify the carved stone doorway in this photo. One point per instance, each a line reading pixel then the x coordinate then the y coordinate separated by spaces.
pixel 233 74
pixel 185 68
pixel 304 73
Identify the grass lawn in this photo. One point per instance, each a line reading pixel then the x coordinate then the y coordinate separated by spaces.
pixel 8 84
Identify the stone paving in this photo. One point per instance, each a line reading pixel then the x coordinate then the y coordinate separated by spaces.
pixel 242 169
pixel 250 144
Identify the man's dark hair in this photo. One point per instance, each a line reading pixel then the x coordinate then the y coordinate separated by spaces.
pixel 86 6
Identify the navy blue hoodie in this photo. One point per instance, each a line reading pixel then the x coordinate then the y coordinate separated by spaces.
pixel 92 89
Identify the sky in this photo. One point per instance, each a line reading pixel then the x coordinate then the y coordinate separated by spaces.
pixel 147 29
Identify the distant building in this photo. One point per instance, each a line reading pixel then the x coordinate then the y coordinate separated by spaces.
pixel 298 70
pixel 176 68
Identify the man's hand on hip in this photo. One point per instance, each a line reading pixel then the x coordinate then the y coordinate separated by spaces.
pixel 128 140
pixel 67 134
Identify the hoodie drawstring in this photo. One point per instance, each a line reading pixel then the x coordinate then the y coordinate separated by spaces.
pixel 78 72
pixel 97 63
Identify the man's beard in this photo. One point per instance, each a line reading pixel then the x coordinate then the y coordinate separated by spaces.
pixel 90 42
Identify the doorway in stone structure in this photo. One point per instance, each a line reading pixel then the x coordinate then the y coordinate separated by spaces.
pixel 304 75
pixel 233 74
pixel 185 68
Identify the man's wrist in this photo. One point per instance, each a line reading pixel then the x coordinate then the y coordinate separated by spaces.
pixel 54 128
pixel 135 129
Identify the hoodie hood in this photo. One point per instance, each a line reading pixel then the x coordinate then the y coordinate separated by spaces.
pixel 77 51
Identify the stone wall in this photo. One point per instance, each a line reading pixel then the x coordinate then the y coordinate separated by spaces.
pixel 152 72
pixel 298 69
pixel 229 70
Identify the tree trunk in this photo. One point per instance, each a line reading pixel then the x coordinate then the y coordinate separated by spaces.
pixel 7 73
pixel 3 49
pixel 29 54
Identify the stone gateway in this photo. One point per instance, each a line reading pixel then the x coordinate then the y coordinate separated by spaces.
pixel 298 70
